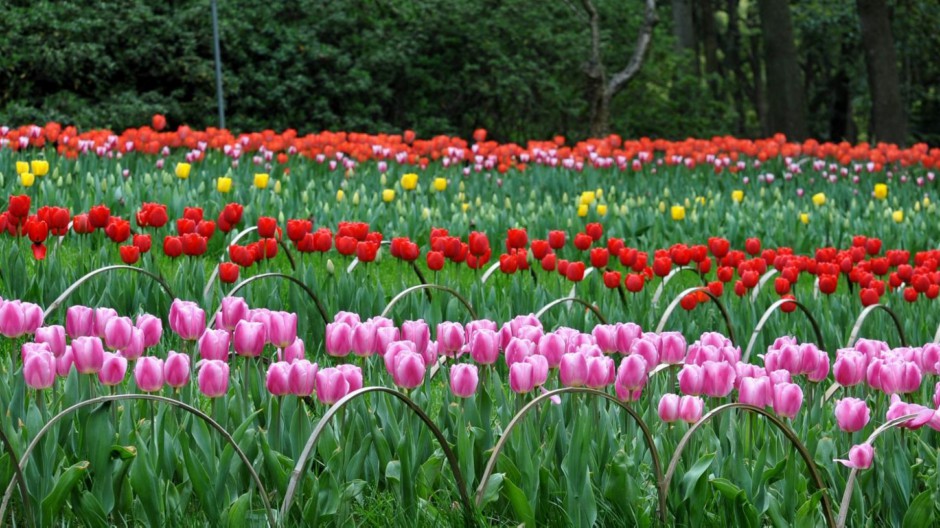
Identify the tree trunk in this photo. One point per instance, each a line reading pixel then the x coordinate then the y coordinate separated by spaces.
pixel 683 24
pixel 888 122
pixel 709 39
pixel 784 83
pixel 600 117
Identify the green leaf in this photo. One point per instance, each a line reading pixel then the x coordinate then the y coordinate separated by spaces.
pixel 520 504
pixel 807 515
pixel 491 491
pixel 237 513
pixel 53 503
pixel 691 478
pixel 91 511
pixel 922 511
pixel 726 488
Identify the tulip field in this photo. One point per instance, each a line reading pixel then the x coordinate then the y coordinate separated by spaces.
pixel 342 329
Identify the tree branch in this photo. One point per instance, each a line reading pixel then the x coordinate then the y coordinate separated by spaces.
pixel 621 78
pixel 595 69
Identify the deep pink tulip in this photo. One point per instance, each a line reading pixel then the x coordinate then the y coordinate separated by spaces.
pixel 87 354
pixel 54 336
pixel 573 370
pixel 39 370
pixel 647 349
pixel 520 377
pixel 822 369
pixel 464 379
pixel 148 374
pixel 282 328
pixel 102 316
pixel 691 408
pixel 601 372
pixel 626 334
pixel 276 380
pixel 363 339
pixel 450 338
pixel 213 378
pixel 672 348
pixel 152 329
pixel 691 380
pixel 214 344
pixel 12 319
pixel 605 336
pixel 532 333
pixel 113 369
pixel 633 372
pixel 930 358
pixel 668 409
pixel 249 338
pixel 480 324
pixel 852 414
pixel 118 332
pixel 552 347
pixel 135 348
pixel 418 333
pixel 331 385
pixel 79 321
pixel 351 319
pixel 64 363
pixel 788 398
pixel 263 316
pixel 484 346
pixel 302 377
pixel 936 395
pixel 295 352
pixel 384 336
pixel 232 310
pixel 176 369
pixel 779 376
pixel 187 319
pixel 810 357
pixel 577 340
pixel 353 376
pixel 861 456
pixel 911 377
pixel 539 369
pixel 518 349
pixel 338 339
pixel 408 369
pixel 718 378
pixel 758 392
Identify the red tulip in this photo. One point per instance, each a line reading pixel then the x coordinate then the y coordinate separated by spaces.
pixel 185 225
pixel 267 227
pixel 98 216
pixel 719 247
pixel 19 206
pixel 508 264
pixel 366 251
pixel 323 240
pixel 81 224
pixel 435 260
pixel 540 248
pixel 233 213
pixel 296 229
pixel 142 242
pixel 206 228
pixel 869 296
pixel 158 122
pixel 583 241
pixel 717 288
pixel 600 257
pixel 37 230
pixel 612 279
pixel 661 266
pixel 479 244
pixel 346 245
pixel 575 271
pixel 634 282
pixel 549 262
pixel 752 246
pixel 594 230
pixel 195 214
pixel 556 239
pixel 516 238
pixel 240 255
pixel 118 230
pixel 172 246
pixel 782 286
pixel 228 272
pixel 130 254
pixel 193 244
pixel 828 284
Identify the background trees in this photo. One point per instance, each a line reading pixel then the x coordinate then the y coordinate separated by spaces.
pixel 520 69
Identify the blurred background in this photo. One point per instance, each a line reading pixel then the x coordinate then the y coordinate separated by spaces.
pixel 833 70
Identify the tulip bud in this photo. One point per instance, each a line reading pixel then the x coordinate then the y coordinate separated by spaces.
pixel 331 385
pixel 464 379
pixel 148 374
pixel 276 380
pixel 214 344
pixel 213 378
pixel 691 408
pixel 176 369
pixel 668 409
pixel 113 369
pixel 39 370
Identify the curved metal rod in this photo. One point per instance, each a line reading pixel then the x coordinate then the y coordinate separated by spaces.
pixel 486 275
pixel 18 477
pixel 936 337
pixel 864 315
pixel 355 260
pixel 295 280
pixel 850 483
pixel 764 318
pixel 239 236
pixel 675 302
pixel 779 424
pixel 763 280
pixel 438 287
pixel 321 426
pixel 556 302
pixel 668 278
pixel 154 398
pixel 647 436
pixel 68 291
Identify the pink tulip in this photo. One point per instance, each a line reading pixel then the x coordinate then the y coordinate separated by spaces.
pixel 64 363
pixel 338 339
pixel 718 378
pixel 758 392
pixel 152 329
pixel 187 319
pixel 331 385
pixel 480 324
pixel 860 457
pixel 363 339
pixel 214 344
pixel 213 378
pixel 518 349
pixel 464 379
pixel 12 319
pixel 148 374
pixel 672 348
pixel 930 358
pixel 577 340
pixel 647 349
pixel 532 333
pixel 871 347
pixel 552 347
pixel 408 369
pixel 39 370
pixel 936 395
pixel 249 338
pixel 601 372
pixel 572 370
pixel 54 336
pixel 87 354
pixel 606 337
pixel 626 334
pixel 30 348
pixel 135 348
pixel 294 352
pixel 102 316
pixel 810 357
pixel 788 398
pixel 263 316
pixel 113 369
pixel 418 333
pixel 384 336
pixel 484 346
pixel 302 377
pixel 691 380
pixel 232 310
pixel 633 372
pixel 822 369
pixel 34 316
pixel 276 380
pixel 176 369
pixel 520 377
pixel 668 409
pixel 450 338
pixel 539 369
pixel 884 375
pixel 381 322
pixel 691 408
pixel 779 376
pixel 353 376
pixel 911 377
pixel 394 348
pixel 79 321
pixel 852 414
pixel 351 319
pixel 715 339
pixel 781 341
pixel 282 329
pixel 519 321
pixel 118 332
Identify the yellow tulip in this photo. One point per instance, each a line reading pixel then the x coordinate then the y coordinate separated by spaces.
pixel 21 167
pixel 261 180
pixel 277 186
pixel 27 179
pixel 602 210
pixel 898 216
pixel 440 184
pixel 223 184
pixel 409 181
pixel 678 212
pixel 588 197
pixel 582 210
pixel 804 217
pixel 182 170
pixel 388 195
pixel 340 194
pixel 40 167
pixel 699 200
pixel 662 207
pixel 881 191
pixel 737 196
pixel 465 207
pixel 819 198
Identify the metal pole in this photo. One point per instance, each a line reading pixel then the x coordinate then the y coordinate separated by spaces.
pixel 218 63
